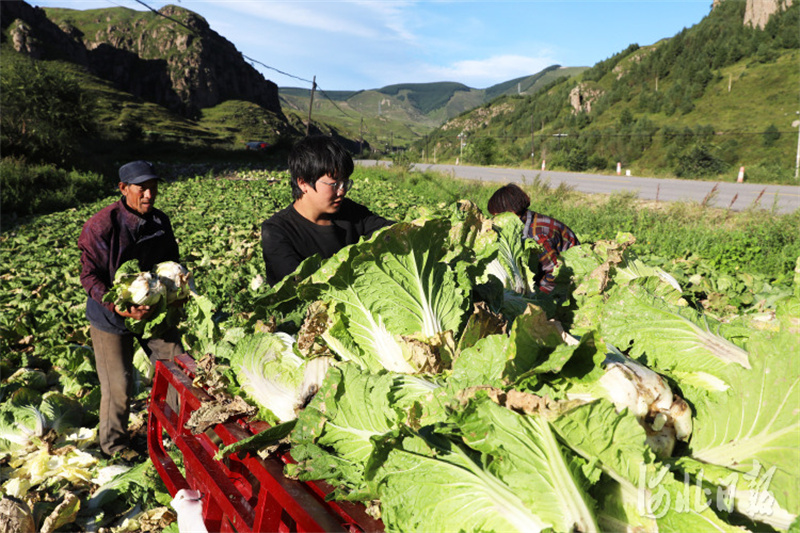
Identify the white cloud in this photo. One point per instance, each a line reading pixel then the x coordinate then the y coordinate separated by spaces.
pixel 394 16
pixel 481 73
pixel 359 19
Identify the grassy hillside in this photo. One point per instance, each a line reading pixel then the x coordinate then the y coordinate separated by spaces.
pixel 386 119
pixel 122 118
pixel 426 97
pixel 715 97
pixel 383 121
pixel 530 84
pixel 64 133
pixel 398 115
pixel 336 96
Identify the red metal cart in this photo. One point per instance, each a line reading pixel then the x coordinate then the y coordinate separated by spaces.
pixel 242 493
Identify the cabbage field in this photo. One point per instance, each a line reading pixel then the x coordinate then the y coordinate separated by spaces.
pixel 422 373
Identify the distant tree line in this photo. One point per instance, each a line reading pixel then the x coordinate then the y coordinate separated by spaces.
pixel 664 81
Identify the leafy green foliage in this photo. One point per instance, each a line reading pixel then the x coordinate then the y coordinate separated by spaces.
pixel 483 151
pixel 217 219
pixel 359 437
pixel 46 114
pixel 644 106
pixel 699 161
pixel 27 189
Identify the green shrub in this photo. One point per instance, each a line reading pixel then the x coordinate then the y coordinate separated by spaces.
pixel 483 151
pixel 46 113
pixel 557 159
pixel 770 171
pixel 598 161
pixel 577 160
pixel 698 161
pixel 770 135
pixel 27 189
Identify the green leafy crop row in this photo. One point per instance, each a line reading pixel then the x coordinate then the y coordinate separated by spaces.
pixel 728 263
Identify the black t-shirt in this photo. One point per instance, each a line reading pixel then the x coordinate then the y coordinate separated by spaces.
pixel 287 238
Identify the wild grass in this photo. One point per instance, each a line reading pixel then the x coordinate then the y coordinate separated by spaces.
pixel 30 189
pixel 755 240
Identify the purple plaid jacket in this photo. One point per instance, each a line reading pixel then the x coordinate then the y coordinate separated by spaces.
pixel 113 235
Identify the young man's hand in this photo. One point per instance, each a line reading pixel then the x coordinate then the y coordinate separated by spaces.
pixel 136 312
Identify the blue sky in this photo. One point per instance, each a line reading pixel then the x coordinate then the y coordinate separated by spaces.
pixel 371 44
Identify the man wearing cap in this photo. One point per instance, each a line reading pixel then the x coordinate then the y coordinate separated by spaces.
pixel 130 228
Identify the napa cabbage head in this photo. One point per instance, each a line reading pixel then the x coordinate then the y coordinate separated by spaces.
pixel 177 280
pixel 273 376
pixel 397 294
pixel 27 418
pixel 144 289
pixel 511 266
pixel 132 287
pixel 20 427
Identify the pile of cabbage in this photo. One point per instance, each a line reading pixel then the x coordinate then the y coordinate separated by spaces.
pixel 48 444
pixel 48 437
pixel 427 377
pixel 165 284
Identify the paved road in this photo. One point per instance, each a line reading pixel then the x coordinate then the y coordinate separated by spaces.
pixel 737 196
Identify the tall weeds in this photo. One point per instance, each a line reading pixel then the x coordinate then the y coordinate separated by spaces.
pixel 754 240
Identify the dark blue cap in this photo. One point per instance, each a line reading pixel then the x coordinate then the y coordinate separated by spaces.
pixel 137 172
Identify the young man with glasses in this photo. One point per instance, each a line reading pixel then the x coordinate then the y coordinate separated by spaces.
pixel 321 220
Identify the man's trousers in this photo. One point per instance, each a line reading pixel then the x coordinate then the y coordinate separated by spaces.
pixel 114 360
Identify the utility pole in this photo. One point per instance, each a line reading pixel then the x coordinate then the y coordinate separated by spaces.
pixel 361 137
pixel 311 105
pixel 796 123
pixel 532 152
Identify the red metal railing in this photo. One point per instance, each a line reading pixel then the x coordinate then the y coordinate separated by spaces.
pixel 242 493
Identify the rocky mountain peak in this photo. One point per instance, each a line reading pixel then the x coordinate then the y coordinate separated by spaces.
pixel 758 12
pixel 172 58
pixel 186 17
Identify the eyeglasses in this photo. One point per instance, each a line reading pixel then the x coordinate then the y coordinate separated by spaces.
pixel 345 185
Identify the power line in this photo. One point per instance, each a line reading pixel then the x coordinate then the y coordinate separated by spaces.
pixel 166 17
pixel 273 68
pixel 333 102
pixel 114 3
pixel 247 58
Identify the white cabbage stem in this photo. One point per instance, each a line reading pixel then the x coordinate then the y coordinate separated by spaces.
pixel 145 289
pixel 177 280
pixel 665 417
